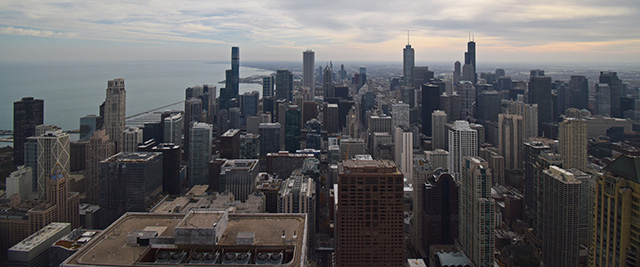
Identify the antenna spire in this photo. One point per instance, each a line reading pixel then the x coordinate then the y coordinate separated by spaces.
pixel 408 38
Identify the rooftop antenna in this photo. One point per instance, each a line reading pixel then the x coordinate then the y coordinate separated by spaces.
pixel 408 38
pixel 473 37
pixel 469 36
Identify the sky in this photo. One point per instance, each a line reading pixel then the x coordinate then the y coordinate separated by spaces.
pixel 354 30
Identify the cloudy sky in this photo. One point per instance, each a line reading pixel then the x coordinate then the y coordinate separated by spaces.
pixel 357 30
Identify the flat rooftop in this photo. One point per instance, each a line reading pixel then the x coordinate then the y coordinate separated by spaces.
pixel 131 157
pixel 369 166
pixel 40 236
pixel 201 219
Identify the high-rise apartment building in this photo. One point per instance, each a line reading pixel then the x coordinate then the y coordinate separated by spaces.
pixel 298 195
pixel 27 113
pixel 510 139
pixel 115 110
pixel 200 153
pixel 308 65
pixel 616 227
pixel 463 142
pixel 438 129
pixel 408 65
pixel 572 134
pixel 476 209
pixel 369 220
pixel 128 182
pixel 561 208
pixel 43 154
pixel 98 149
pixel 173 127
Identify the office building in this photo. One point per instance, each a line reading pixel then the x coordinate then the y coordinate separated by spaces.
pixel 200 153
pixel 422 75
pixel 19 182
pixel 380 124
pixel 193 114
pixel 268 84
pixel 463 142
pixel 327 82
pixel 476 209
pixel 27 113
pixel 308 65
pixel 131 138
pixel 578 96
pixel 350 147
pixel 438 158
pixel 331 118
pixel 284 85
pixel 439 130
pixel 249 146
pixel 467 92
pixel 34 250
pixel 292 128
pixel 171 159
pixel 403 151
pixel 269 138
pixel 488 106
pixel 572 134
pixel 239 177
pixel 496 163
pixel 430 103
pixel 616 91
pixel 408 65
pixel 603 100
pixel 510 140
pixel 470 59
pixel 249 103
pixel 89 124
pixel 561 208
pixel 400 115
pixel 115 111
pixel 540 93
pixel 439 206
pixel 128 182
pixel 173 127
pixel 204 237
pixel 282 164
pixel 43 153
pixel 615 229
pixel 230 144
pixel 98 149
pixel 379 210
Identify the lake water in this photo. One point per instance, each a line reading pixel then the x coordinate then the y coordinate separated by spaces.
pixel 73 90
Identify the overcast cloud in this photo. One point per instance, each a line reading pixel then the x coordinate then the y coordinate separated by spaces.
pixel 505 30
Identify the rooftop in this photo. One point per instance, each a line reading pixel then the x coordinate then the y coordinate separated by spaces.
pixel 231 132
pixel 131 157
pixel 40 236
pixel 368 166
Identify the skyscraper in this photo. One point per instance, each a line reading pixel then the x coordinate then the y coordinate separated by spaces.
pixel 615 84
pixel 238 176
pixel 438 130
pixel 540 93
pixel 115 111
pixel 403 156
pixel 476 209
pixel 308 65
pixel 463 142
pixel 578 92
pixel 131 137
pixel 561 208
pixel 430 103
pixel 98 149
pixel 617 191
pixel 27 113
pixel 43 154
pixel 369 220
pixel 467 92
pixel 408 65
pixel 470 59
pixel 400 114
pixel 603 99
pixel 268 83
pixel 510 139
pixel 284 85
pixel 292 129
pixel 439 210
pixel 327 82
pixel 572 134
pixel 269 138
pixel 200 153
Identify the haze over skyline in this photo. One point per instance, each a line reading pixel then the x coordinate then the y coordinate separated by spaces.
pixel 506 31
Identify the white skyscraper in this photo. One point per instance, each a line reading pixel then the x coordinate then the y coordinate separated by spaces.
pixel 510 140
pixel 131 137
pixel 463 142
pixel 308 64
pixel 403 156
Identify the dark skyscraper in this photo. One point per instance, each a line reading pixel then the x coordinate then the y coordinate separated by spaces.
pixel 615 84
pixel 430 102
pixel 192 113
pixel 408 65
pixel 578 92
pixel 27 113
pixel 540 93
pixel 232 80
pixel 284 85
pixel 440 210
pixel 470 59
pixel 292 129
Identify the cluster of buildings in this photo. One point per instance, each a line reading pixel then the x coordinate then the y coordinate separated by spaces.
pixel 326 169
